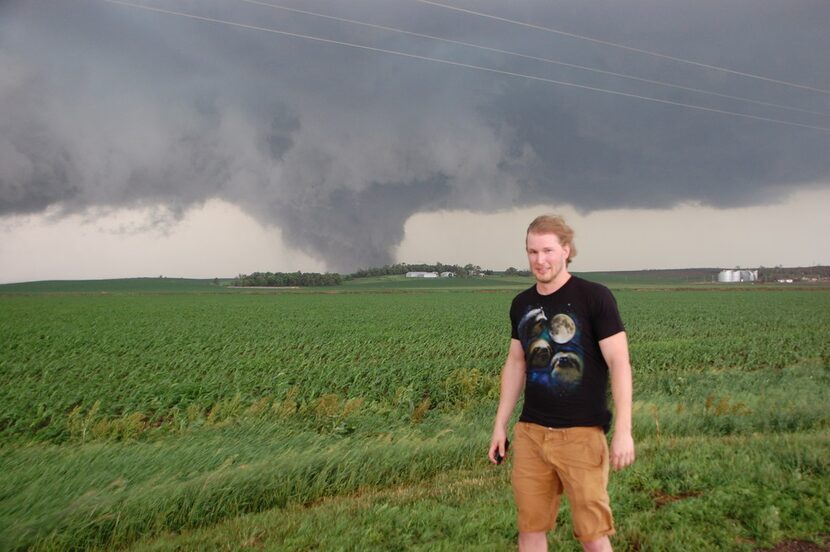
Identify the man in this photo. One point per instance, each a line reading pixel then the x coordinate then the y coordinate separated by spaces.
pixel 567 337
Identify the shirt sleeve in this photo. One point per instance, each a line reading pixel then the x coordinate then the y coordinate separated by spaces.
pixel 607 319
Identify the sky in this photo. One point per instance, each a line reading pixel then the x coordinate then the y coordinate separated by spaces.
pixel 214 138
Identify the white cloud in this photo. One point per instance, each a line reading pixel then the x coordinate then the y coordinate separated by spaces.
pixel 214 240
pixel 220 240
pixel 792 233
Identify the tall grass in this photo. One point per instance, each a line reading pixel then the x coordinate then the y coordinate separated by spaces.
pixel 738 493
pixel 124 416
pixel 108 494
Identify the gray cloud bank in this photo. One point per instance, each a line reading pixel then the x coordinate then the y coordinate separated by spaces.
pixel 104 105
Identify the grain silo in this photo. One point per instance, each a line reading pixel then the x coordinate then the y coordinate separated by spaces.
pixel 748 276
pixel 738 275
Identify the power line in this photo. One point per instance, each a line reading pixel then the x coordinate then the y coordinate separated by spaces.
pixel 530 57
pixel 622 46
pixel 457 64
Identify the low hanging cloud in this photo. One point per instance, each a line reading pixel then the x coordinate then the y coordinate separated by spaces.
pixel 110 106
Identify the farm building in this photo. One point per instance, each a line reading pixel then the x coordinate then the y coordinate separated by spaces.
pixel 738 275
pixel 421 274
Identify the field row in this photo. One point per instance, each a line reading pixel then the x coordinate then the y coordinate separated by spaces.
pixel 137 362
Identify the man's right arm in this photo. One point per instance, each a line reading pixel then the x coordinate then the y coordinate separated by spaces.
pixel 512 384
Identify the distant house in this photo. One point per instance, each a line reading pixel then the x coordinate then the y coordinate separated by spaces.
pixel 421 274
pixel 448 274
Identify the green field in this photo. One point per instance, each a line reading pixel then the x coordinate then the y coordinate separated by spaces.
pixel 178 414
pixel 120 285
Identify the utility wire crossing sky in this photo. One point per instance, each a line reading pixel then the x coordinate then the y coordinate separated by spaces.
pixel 358 134
pixel 490 69
pixel 615 45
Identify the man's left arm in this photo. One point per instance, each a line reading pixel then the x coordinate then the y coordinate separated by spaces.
pixel 615 351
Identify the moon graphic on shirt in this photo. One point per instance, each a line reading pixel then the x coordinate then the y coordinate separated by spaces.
pixel 567 367
pixel 562 328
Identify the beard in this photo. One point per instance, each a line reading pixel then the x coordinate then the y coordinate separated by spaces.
pixel 548 275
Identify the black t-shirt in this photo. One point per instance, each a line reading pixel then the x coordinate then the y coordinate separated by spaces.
pixel 567 376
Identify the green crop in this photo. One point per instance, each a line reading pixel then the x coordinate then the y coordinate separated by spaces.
pixel 134 413
pixel 128 363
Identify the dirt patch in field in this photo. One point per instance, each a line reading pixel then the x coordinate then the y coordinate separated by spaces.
pixel 661 498
pixel 798 546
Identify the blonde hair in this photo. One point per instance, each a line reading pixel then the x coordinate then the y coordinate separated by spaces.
pixel 554 224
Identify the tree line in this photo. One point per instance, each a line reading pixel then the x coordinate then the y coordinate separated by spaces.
pixel 403 268
pixel 771 274
pixel 306 279
pixel 288 279
pixel 513 271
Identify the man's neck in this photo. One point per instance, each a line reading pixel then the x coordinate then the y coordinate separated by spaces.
pixel 550 287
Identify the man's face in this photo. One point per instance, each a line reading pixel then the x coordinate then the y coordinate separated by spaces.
pixel 546 256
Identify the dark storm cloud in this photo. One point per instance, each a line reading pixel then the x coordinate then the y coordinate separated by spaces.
pixel 105 105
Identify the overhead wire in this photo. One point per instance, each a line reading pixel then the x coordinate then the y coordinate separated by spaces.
pixel 456 64
pixel 530 57
pixel 621 46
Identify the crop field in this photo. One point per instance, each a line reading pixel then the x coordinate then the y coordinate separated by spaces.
pixel 189 416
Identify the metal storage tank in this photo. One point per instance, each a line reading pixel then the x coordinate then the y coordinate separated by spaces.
pixel 738 275
pixel 749 275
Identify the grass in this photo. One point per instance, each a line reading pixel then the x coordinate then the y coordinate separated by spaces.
pixel 682 494
pixel 401 282
pixel 410 486
pixel 111 494
pixel 118 285
pixel 690 447
pixel 703 279
pixel 359 421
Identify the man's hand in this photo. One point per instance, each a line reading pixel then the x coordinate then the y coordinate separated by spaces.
pixel 622 450
pixel 615 351
pixel 497 443
pixel 512 383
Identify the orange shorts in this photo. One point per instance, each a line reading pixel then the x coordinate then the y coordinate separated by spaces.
pixel 548 461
